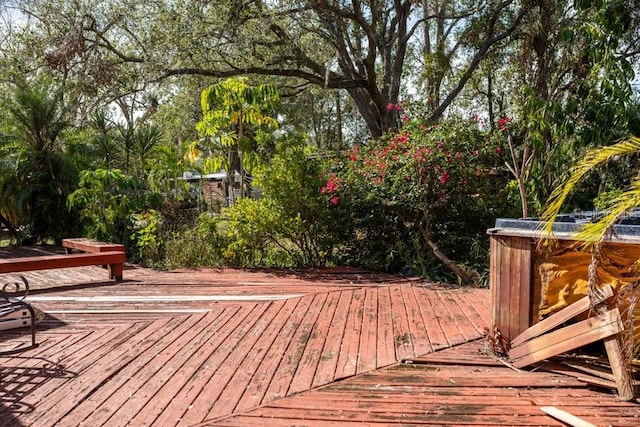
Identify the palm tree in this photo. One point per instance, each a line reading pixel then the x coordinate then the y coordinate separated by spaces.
pixel 42 174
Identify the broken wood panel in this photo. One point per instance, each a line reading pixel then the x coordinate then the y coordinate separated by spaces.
pixel 561 317
pixel 566 339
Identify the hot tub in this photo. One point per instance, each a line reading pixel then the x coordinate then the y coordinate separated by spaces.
pixel 528 283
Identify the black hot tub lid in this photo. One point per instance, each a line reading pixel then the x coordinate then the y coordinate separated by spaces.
pixel 573 222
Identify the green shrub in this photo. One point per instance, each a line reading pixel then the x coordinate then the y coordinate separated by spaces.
pixel 422 198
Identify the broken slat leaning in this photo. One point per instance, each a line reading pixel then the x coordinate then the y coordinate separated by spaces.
pixel 541 341
pixel 566 339
pixel 562 316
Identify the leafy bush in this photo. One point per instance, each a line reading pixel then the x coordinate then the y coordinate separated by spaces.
pixel 422 197
pixel 106 200
pixel 290 225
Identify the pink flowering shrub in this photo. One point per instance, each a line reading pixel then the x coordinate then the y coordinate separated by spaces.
pixel 439 182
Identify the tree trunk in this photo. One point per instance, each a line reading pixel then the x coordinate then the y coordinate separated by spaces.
pixel 466 277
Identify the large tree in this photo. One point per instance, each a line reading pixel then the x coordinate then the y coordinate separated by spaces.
pixel 359 46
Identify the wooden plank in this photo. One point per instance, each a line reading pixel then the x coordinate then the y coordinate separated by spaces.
pixel 621 374
pixel 566 339
pixel 447 313
pixel 225 362
pixel 515 285
pixel 417 327
pixel 285 373
pixel 328 360
pixel 212 359
pixel 451 300
pixel 503 304
pixel 14 265
pixel 565 417
pixel 307 368
pixel 116 354
pixel 431 318
pixel 124 391
pixel 367 357
pixel 387 334
pixel 348 359
pixel 184 381
pixel 90 245
pixel 561 316
pixel 235 388
pixel 113 259
pixel 255 392
pixel 526 285
pixel 270 415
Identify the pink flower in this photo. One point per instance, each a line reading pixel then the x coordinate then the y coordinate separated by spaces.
pixel 499 150
pixel 503 123
pixel 335 200
pixel 406 118
pixel 444 177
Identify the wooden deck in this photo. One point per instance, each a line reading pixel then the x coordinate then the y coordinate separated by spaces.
pixel 230 347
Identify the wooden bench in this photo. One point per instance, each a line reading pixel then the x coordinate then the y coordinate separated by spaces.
pixel 16 312
pixel 109 255
pixel 89 245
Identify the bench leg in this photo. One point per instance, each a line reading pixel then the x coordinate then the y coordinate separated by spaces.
pixel 115 271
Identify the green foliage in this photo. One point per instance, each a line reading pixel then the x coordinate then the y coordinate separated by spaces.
pixel 145 226
pixel 290 225
pixel 106 199
pixel 37 174
pixel 426 185
pixel 621 202
pixel 233 113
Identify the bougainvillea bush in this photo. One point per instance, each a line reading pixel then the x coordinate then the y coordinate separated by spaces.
pixel 422 199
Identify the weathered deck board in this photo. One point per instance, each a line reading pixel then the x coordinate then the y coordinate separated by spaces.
pixel 437 395
pixel 326 371
pixel 348 359
pixel 238 348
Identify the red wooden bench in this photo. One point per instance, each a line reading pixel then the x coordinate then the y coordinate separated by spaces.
pixel 89 245
pixel 109 255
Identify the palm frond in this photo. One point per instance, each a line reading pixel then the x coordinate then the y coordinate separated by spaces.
pixel 598 231
pixel 589 162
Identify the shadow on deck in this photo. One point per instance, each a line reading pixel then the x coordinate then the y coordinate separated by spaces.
pixel 231 347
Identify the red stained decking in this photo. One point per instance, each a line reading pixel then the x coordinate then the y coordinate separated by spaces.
pixel 227 347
